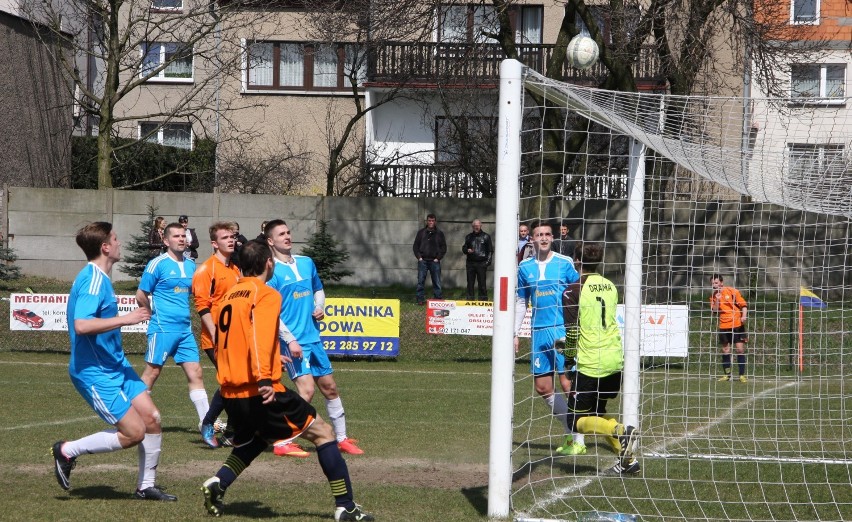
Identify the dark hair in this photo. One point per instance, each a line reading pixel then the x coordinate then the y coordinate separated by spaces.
pixel 589 254
pixel 717 276
pixel 540 223
pixel 183 217
pixel 171 226
pixel 271 224
pixel 92 236
pixel 220 225
pixel 431 216
pixel 253 258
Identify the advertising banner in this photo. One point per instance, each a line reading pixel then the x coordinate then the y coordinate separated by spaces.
pixel 46 312
pixel 665 328
pixel 361 327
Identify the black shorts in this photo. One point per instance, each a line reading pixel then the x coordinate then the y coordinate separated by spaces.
pixel 735 335
pixel 589 394
pixel 287 416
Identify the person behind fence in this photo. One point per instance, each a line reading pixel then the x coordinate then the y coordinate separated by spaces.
pixel 565 244
pixel 101 373
pixel 478 251
pixel 728 302
pixel 430 246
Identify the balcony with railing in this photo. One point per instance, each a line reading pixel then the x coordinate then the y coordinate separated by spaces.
pixel 431 63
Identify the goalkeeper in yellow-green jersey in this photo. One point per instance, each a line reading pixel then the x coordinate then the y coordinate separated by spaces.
pixel 593 343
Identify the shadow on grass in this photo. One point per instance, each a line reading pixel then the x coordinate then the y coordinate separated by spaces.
pixel 256 510
pixel 478 498
pixel 97 492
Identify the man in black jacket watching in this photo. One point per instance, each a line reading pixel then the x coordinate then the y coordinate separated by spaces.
pixel 479 250
pixel 430 246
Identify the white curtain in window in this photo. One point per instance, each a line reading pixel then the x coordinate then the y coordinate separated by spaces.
pixel 804 81
pixel 260 63
pixel 179 59
pixel 325 66
pixel 177 135
pixel 531 18
pixel 148 131
pixel 453 23
pixel 835 78
pixel 292 65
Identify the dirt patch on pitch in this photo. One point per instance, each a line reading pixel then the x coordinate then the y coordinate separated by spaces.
pixel 367 470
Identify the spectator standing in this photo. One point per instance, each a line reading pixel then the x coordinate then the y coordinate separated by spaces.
pixel 525 244
pixel 192 243
pixel 156 246
pixel 262 236
pixel 430 246
pixel 239 241
pixel 478 250
pixel 565 244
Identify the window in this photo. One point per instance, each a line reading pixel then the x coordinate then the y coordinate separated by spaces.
pixel 602 18
pixel 529 29
pixel 170 134
pixel 291 66
pixel 167 5
pixel 176 57
pixel 467 24
pixel 804 11
pixel 817 82
pixel 812 166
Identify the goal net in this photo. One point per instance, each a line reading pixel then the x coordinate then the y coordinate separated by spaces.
pixel 678 189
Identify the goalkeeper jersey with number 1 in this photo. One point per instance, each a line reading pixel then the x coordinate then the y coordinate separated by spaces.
pixel 599 349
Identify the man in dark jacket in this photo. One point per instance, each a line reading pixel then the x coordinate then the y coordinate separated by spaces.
pixel 430 246
pixel 565 244
pixel 478 249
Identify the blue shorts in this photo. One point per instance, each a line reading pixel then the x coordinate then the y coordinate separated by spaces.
pixel 314 361
pixel 180 346
pixel 109 394
pixel 544 359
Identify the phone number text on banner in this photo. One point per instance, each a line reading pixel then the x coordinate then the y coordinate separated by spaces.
pixel 361 327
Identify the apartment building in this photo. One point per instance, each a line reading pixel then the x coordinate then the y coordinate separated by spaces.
pixel 420 118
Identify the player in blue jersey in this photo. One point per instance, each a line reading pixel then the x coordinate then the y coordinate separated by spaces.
pixel 101 373
pixel 164 291
pixel 296 279
pixel 541 281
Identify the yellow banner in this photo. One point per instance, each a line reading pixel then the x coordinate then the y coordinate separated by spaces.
pixel 352 317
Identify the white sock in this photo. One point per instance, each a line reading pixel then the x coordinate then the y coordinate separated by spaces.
pixel 338 417
pixel 149 457
pixel 199 399
pixel 100 442
pixel 559 407
pixel 579 438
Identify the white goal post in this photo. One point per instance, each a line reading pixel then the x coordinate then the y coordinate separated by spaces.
pixel 679 189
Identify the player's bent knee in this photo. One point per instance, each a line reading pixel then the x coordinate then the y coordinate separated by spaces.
pixel 319 432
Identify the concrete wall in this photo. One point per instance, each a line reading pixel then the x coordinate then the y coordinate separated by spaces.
pixel 754 245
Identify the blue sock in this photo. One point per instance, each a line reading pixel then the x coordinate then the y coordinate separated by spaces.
pixel 741 362
pixel 335 470
pixel 726 363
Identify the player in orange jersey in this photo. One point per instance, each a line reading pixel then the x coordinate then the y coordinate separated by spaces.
pixel 260 409
pixel 212 279
pixel 733 312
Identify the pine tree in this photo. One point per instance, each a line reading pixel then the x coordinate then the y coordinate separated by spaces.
pixel 134 263
pixel 8 269
pixel 326 253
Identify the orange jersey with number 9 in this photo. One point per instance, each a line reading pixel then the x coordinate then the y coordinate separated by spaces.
pixel 247 339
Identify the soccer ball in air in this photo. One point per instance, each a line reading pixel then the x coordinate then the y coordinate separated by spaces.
pixel 582 52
